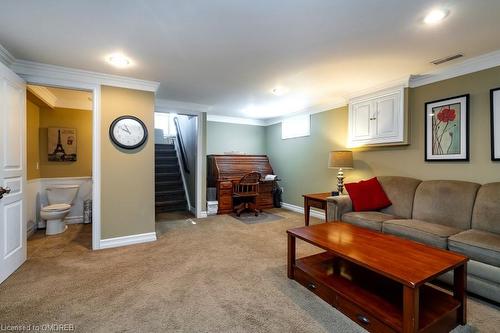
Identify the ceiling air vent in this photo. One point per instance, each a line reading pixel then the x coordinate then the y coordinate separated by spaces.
pixel 446 59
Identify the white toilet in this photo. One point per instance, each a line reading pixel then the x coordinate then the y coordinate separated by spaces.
pixel 60 198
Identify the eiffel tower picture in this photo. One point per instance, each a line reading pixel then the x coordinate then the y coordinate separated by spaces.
pixel 64 150
pixel 59 151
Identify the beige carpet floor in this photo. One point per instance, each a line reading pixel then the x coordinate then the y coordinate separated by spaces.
pixel 212 275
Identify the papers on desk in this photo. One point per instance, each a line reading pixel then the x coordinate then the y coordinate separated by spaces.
pixel 270 177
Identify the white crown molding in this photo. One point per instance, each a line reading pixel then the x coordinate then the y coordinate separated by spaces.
pixel 235 120
pixel 6 57
pixel 471 65
pixel 127 240
pixel 44 94
pixel 315 213
pixel 168 105
pixel 308 111
pixel 165 105
pixel 379 93
pixel 403 82
pixel 267 122
pixel 80 103
pixel 29 69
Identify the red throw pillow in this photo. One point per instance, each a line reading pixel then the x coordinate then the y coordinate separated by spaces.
pixel 367 195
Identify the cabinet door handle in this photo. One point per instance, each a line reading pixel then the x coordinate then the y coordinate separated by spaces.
pixel 311 286
pixel 363 319
pixel 373 118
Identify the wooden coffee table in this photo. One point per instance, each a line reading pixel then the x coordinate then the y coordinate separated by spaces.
pixel 380 280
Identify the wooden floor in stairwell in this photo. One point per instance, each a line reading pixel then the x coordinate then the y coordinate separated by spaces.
pixel 169 188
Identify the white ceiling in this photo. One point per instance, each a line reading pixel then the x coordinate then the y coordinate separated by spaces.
pixel 229 54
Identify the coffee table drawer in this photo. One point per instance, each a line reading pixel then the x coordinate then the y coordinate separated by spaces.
pixel 313 285
pixel 365 320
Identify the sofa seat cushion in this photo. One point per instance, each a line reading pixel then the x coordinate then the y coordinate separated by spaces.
pixel 479 245
pixel 484 271
pixel 369 220
pixel 421 231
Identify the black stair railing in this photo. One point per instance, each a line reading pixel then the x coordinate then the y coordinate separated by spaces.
pixel 182 148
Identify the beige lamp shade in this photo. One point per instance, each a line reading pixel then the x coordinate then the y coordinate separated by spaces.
pixel 340 159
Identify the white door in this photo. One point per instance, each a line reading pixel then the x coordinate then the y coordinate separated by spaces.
pixel 12 172
pixel 387 117
pixel 361 118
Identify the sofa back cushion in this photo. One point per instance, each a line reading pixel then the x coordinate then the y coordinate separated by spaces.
pixel 400 191
pixel 446 202
pixel 486 213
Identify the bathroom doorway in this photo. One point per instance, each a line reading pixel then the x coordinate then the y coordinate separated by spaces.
pixel 60 168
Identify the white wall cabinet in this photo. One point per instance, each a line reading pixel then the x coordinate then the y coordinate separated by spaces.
pixel 378 118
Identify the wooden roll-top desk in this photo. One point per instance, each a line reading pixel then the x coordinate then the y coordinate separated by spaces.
pixel 223 170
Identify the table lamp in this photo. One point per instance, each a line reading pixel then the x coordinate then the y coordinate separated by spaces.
pixel 340 159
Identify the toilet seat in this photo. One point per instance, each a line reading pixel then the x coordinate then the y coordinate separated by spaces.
pixel 56 207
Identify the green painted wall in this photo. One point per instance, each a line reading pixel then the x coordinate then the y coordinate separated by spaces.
pixel 224 137
pixel 301 162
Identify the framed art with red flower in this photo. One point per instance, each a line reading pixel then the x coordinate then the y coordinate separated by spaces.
pixel 495 124
pixel 447 129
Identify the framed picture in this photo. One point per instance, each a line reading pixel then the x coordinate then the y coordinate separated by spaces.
pixel 447 129
pixel 62 144
pixel 495 124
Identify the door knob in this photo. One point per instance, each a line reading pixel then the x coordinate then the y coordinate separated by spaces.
pixel 4 191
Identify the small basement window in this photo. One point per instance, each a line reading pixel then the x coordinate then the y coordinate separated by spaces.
pixel 295 127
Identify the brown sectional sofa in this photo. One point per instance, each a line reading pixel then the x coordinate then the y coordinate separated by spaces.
pixel 455 215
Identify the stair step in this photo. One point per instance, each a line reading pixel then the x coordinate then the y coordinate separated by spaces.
pixel 164 146
pixel 165 153
pixel 164 176
pixel 170 198
pixel 182 208
pixel 177 194
pixel 165 159
pixel 171 203
pixel 173 182
pixel 169 169
pixel 172 191
pixel 168 185
pixel 167 165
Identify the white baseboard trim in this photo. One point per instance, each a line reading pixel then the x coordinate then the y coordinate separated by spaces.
pixel 31 228
pixel 127 240
pixel 314 213
pixel 73 219
pixel 203 214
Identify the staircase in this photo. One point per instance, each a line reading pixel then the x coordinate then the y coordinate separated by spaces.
pixel 169 189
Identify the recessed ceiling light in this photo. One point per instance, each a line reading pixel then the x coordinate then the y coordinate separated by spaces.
pixel 279 91
pixel 119 60
pixel 435 16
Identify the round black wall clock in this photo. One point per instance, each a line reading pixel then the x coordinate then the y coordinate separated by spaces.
pixel 128 132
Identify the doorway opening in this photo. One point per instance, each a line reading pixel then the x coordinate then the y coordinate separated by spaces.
pixel 176 150
pixel 59 169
